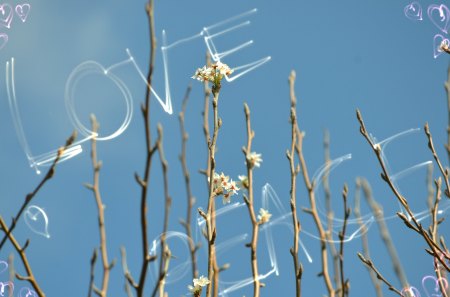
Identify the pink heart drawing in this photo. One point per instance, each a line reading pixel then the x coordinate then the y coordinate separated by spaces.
pixel 435 288
pixel 437 42
pixel 410 292
pixel 6 15
pixel 22 11
pixel 413 11
pixel 440 16
pixel 3 40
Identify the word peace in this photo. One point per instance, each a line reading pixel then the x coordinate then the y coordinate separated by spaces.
pixel 6 17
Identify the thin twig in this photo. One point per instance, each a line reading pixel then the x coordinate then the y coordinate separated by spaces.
pixel 213 268
pixel 11 274
pixel 92 274
pixel 205 114
pixel 298 268
pixel 144 182
pixel 330 214
pixel 377 211
pixel 31 195
pixel 415 225
pixel 95 188
pixel 129 282
pixel 347 211
pixel 370 264
pixel 165 253
pixel 190 198
pixel 364 239
pixel 433 229
pixel 21 251
pixel 447 91
pixel 313 211
pixel 249 202
pixel 444 172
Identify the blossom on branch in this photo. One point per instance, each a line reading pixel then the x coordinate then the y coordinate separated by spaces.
pixel 199 283
pixel 264 216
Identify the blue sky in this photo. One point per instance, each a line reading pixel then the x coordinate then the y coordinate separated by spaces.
pixel 356 54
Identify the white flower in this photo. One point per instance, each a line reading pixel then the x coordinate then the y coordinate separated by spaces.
pixel 201 281
pixel 214 73
pixel 243 181
pixel 198 284
pixel 264 215
pixel 255 159
pixel 232 187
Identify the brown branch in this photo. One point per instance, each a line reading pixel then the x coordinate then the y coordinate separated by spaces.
pixel 165 253
pixel 347 211
pixel 329 209
pixel 377 211
pixel 447 90
pixel 433 230
pixel 205 114
pixel 11 273
pixel 249 201
pixel 21 251
pixel 92 274
pixel 190 198
pixel 415 225
pixel 370 265
pixel 144 182
pixel 445 172
pixel 364 239
pixel 31 195
pixel 129 281
pixel 213 269
pixel 298 268
pixel 313 211
pixel 95 188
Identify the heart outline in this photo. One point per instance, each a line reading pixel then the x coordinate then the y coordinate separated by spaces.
pixel 442 9
pixel 413 6
pixel 21 13
pixel 437 41
pixel 436 285
pixel 6 22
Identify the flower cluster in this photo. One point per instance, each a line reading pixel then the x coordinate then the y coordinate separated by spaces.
pixel 214 73
pixel 264 216
pixel 200 282
pixel 254 159
pixel 223 185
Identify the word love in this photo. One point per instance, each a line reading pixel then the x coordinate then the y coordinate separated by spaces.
pixel 7 13
pixel 439 15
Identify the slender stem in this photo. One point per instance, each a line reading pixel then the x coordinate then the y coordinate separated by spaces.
pixel 344 282
pixel 249 202
pixel 447 90
pixel 415 225
pixel 365 241
pixel 95 188
pixel 370 264
pixel 31 195
pixel 92 273
pixel 21 251
pixel 313 211
pixel 187 181
pixel 205 113
pixel 213 269
pixel 298 268
pixel 144 182
pixel 377 211
pixel 165 252
pixel 330 214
